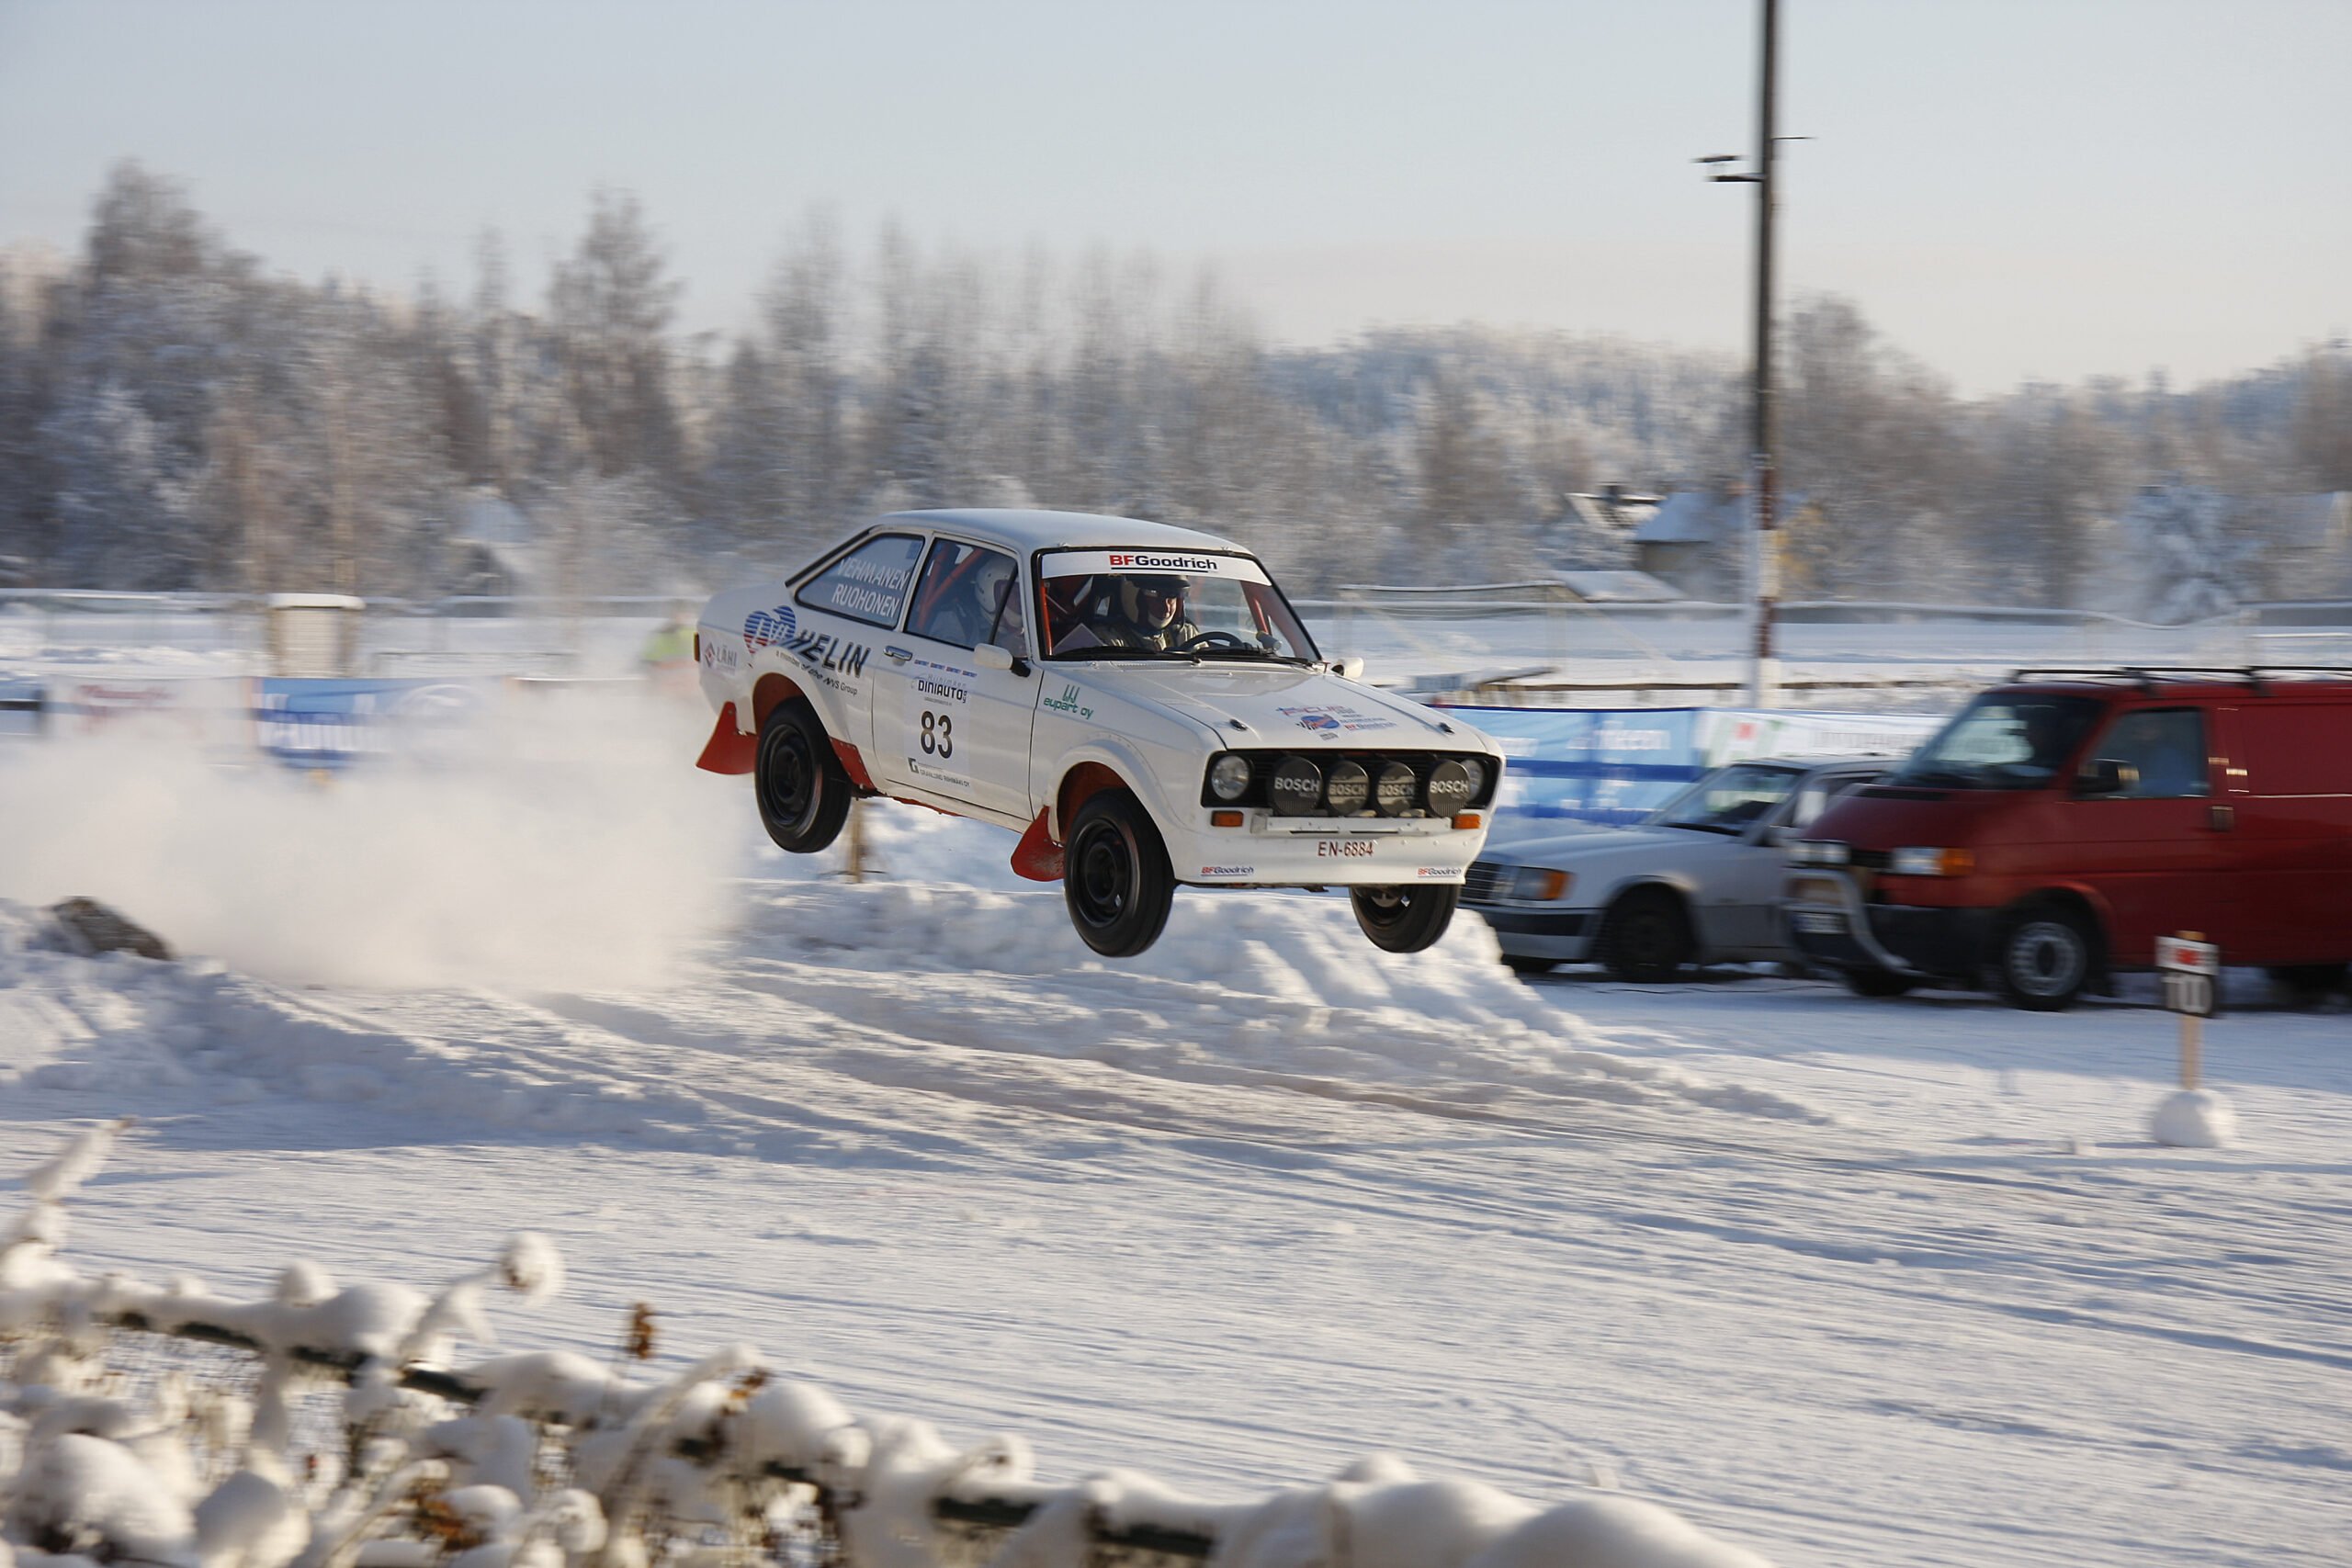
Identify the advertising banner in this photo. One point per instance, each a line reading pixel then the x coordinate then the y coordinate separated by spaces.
pixel 332 724
pixel 1620 764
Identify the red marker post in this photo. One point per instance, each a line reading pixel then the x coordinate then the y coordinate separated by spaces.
pixel 2189 970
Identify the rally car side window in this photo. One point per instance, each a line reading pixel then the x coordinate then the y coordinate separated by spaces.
pixel 869 583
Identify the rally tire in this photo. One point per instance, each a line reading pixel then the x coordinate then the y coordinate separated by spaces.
pixel 1116 876
pixel 1405 918
pixel 803 793
pixel 2046 955
pixel 1645 937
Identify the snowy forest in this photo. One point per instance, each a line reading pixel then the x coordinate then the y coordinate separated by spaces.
pixel 174 416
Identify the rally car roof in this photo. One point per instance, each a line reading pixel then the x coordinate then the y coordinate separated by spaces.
pixel 1027 530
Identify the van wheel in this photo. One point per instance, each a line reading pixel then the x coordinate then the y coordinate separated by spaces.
pixel 1646 936
pixel 2046 955
pixel 1116 876
pixel 2305 985
pixel 1404 920
pixel 803 793
pixel 1877 982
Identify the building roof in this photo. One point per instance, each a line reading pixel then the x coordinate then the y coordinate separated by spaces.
pixel 1028 530
pixel 1694 517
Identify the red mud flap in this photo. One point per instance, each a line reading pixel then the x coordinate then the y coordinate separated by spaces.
pixel 730 750
pixel 1036 856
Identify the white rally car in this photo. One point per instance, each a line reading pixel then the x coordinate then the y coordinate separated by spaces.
pixel 1138 702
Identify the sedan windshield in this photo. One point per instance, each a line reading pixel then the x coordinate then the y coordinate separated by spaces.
pixel 1163 605
pixel 2002 740
pixel 1728 799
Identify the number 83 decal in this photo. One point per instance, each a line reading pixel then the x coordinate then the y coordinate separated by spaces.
pixel 939 734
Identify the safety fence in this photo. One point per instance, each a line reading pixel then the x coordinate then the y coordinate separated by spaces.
pixel 330 1427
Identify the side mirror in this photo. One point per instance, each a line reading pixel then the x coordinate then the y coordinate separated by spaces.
pixel 2108 776
pixel 1350 667
pixel 989 656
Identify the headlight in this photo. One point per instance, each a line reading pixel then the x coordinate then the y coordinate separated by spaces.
pixel 1450 788
pixel 1295 788
pixel 1391 791
pixel 1920 862
pixel 1229 777
pixel 1540 884
pixel 1819 851
pixel 1476 768
pixel 1347 789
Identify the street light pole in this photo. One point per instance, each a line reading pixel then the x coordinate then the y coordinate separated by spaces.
pixel 1764 668
pixel 1763 478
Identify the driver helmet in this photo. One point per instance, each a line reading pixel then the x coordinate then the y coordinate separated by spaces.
pixel 991 580
pixel 1153 603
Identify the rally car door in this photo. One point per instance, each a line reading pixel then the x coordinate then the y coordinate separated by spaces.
pixel 943 725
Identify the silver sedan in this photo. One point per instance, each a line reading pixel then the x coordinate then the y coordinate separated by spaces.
pixel 1698 881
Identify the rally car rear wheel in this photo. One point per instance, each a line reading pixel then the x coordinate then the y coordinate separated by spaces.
pixel 1404 920
pixel 804 795
pixel 1116 876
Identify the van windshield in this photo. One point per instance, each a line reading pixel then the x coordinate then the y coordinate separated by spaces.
pixel 2002 740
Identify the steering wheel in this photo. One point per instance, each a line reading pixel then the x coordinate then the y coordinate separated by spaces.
pixel 1214 640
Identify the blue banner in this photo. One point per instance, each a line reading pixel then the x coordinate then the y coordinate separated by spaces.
pixel 1620 764
pixel 332 724
pixel 1602 765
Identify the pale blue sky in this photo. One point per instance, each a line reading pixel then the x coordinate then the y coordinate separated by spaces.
pixel 2010 188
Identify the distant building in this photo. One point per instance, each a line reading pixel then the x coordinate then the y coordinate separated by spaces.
pixel 1697 540
pixel 494 550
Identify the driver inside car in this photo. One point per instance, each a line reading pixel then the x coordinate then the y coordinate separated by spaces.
pixel 1143 612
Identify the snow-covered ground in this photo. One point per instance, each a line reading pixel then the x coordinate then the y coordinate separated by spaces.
pixel 1841 1281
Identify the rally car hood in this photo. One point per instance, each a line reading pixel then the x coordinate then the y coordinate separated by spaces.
pixel 1284 706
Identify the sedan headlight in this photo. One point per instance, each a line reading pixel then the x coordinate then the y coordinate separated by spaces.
pixel 1819 851
pixel 1229 777
pixel 1920 861
pixel 1476 768
pixel 1539 883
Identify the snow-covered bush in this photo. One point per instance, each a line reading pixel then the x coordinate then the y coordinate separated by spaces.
pixel 550 1460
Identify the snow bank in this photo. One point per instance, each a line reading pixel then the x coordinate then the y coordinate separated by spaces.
pixel 722 1460
pixel 2195 1119
pixel 562 840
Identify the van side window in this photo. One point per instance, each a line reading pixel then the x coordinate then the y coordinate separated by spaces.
pixel 2163 747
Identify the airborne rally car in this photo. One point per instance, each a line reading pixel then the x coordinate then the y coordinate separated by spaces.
pixel 1137 702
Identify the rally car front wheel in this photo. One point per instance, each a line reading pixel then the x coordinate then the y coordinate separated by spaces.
pixel 1116 876
pixel 1404 920
pixel 804 795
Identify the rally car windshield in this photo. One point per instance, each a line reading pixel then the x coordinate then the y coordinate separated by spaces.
pixel 1159 604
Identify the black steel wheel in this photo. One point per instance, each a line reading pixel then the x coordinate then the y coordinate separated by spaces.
pixel 1116 876
pixel 803 793
pixel 1407 919
pixel 2048 953
pixel 1646 936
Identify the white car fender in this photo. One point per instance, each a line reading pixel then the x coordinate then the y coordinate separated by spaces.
pixel 1123 757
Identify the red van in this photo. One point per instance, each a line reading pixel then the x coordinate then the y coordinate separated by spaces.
pixel 2058 825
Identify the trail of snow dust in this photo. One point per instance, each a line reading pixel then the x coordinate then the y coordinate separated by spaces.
pixel 556 840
